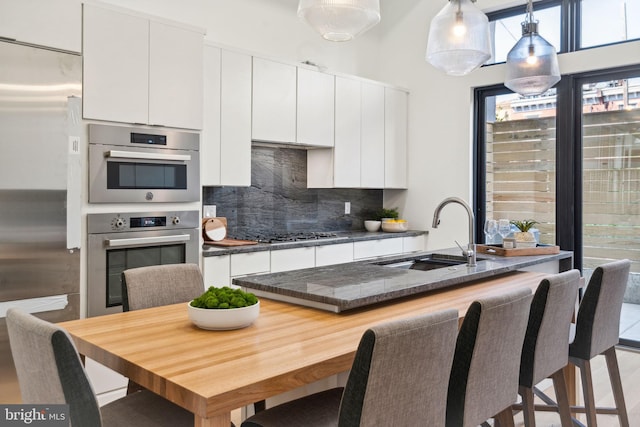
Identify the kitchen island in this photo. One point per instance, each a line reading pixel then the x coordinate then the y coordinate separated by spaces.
pixel 353 285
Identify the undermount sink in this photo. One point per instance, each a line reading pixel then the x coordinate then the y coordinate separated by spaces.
pixel 429 262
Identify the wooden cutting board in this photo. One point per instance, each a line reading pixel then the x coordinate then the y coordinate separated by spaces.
pixel 230 242
pixel 214 229
pixel 500 251
pixel 215 223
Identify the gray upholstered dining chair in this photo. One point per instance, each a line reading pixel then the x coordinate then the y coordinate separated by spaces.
pixel 156 285
pixel 398 378
pixel 50 372
pixel 484 376
pixel 597 331
pixel 545 351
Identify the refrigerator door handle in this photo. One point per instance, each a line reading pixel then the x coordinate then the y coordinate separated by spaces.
pixel 118 243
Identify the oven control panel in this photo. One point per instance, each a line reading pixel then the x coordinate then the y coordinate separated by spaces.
pixel 140 221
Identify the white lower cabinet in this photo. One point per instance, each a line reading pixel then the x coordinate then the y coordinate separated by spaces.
pixel 334 254
pixel 413 244
pixel 216 271
pixel 376 248
pixel 293 259
pixel 250 263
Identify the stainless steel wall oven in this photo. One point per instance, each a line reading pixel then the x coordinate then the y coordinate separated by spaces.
pixel 129 165
pixel 128 240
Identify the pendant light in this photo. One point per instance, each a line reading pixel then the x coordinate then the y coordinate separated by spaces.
pixel 459 38
pixel 340 20
pixel 532 63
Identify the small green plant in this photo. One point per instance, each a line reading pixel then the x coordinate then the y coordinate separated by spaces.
pixel 524 225
pixel 226 297
pixel 387 213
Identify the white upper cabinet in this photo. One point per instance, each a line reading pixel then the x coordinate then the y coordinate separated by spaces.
pixel 372 157
pixel 226 134
pixel 366 132
pixel 315 110
pixel 145 72
pixel 115 66
pixel 395 138
pixel 175 76
pixel 50 23
pixel 348 133
pixel 274 101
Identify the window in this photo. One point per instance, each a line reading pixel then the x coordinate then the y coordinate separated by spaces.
pixel 599 23
pixel 610 21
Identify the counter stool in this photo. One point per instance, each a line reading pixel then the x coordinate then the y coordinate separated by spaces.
pixel 398 378
pixel 50 372
pixel 545 351
pixel 597 331
pixel 484 376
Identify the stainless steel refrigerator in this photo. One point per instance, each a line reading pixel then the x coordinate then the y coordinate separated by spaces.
pixel 40 122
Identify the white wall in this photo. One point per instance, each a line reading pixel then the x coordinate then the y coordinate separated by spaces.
pixel 265 27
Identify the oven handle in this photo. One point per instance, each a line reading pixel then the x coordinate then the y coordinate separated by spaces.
pixel 117 154
pixel 118 243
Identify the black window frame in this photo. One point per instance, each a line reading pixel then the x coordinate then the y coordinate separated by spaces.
pixel 568 156
pixel 570 23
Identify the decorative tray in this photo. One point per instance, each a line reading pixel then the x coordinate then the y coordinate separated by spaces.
pixel 500 251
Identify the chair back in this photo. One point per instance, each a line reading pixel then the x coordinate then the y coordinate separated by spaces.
pixel 400 373
pixel 546 343
pixel 157 285
pixel 598 321
pixel 49 367
pixel 484 376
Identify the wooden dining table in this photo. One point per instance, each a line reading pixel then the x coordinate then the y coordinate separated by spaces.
pixel 211 373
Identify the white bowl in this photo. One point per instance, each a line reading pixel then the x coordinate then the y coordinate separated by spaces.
pixel 394 227
pixel 221 319
pixel 371 225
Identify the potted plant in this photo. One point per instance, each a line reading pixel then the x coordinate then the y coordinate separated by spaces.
pixel 524 237
pixel 376 217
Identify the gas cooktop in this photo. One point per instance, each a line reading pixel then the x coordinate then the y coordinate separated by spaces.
pixel 285 237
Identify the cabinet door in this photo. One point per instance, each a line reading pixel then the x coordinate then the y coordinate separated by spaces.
pixel 175 76
pixel 334 254
pixel 51 23
pixel 293 259
pixel 395 138
pixel 274 101
pixel 372 139
pixel 216 271
pixel 348 132
pixel 235 122
pixel 376 248
pixel 115 66
pixel 210 137
pixel 315 112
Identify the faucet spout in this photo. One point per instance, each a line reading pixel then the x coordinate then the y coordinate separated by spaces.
pixel 470 253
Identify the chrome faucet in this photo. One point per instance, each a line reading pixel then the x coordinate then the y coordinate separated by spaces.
pixel 470 253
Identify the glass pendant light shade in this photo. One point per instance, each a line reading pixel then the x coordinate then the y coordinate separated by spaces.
pixel 459 38
pixel 340 20
pixel 532 64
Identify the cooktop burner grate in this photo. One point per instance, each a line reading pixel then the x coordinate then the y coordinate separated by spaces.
pixel 285 237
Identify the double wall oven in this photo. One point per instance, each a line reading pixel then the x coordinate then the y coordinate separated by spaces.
pixel 130 168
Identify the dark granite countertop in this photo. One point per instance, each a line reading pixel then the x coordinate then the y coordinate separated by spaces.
pixel 347 286
pixel 342 237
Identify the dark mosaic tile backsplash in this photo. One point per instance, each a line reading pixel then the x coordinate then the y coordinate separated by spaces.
pixel 279 201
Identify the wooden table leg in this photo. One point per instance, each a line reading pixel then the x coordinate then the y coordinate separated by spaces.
pixel 223 420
